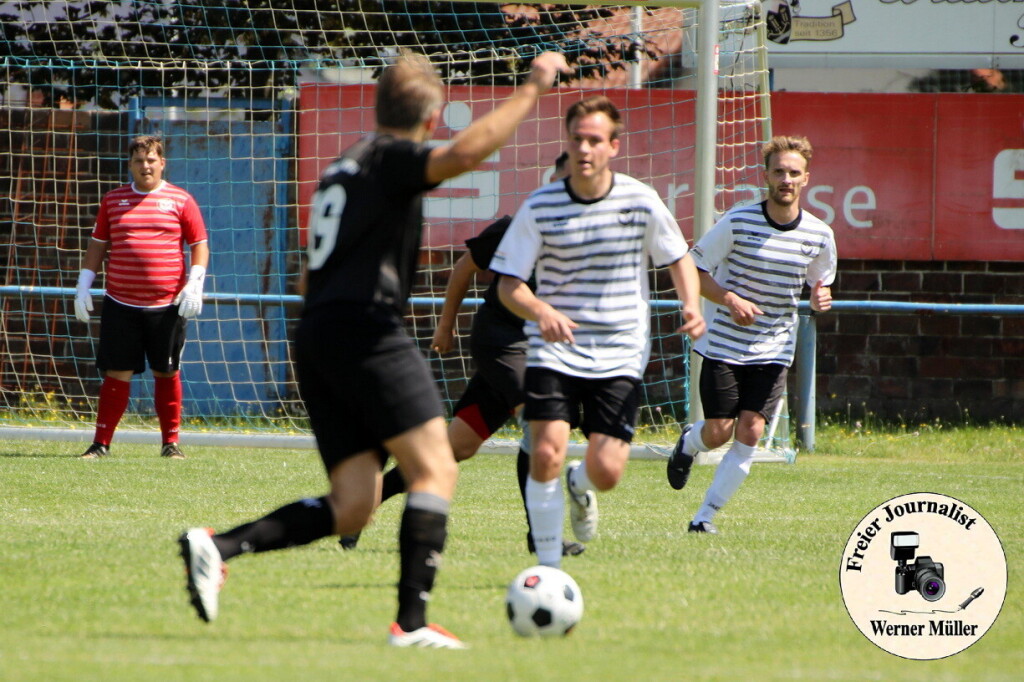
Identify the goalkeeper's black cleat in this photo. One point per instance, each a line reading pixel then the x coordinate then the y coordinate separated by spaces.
pixel 171 451
pixel 679 463
pixel 348 542
pixel 95 451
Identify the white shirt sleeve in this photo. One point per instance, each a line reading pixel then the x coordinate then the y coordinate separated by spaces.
pixel 825 264
pixel 520 247
pixel 665 241
pixel 713 248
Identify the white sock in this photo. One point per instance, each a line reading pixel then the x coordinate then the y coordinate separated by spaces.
pixel 545 505
pixel 524 442
pixel 579 481
pixel 693 442
pixel 729 475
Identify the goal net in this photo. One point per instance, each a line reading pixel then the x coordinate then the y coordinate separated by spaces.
pixel 254 99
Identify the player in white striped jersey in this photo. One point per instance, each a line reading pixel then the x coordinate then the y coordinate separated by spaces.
pixel 587 240
pixel 753 265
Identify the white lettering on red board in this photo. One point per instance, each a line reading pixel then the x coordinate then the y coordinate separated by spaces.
pixel 1008 183
pixel 854 203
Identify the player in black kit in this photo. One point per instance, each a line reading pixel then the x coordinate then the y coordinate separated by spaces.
pixel 498 348
pixel 367 388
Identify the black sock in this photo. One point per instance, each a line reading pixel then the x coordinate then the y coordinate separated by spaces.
pixel 522 471
pixel 298 523
pixel 421 540
pixel 392 485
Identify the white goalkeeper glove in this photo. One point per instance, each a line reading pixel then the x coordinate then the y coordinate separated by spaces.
pixel 83 299
pixel 190 299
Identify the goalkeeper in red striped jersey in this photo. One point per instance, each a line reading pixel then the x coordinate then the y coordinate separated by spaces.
pixel 141 230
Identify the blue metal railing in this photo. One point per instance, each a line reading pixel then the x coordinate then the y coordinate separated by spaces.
pixel 807 334
pixel 265 299
pixel 807 343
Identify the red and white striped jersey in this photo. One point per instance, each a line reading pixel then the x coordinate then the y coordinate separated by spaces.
pixel 147 233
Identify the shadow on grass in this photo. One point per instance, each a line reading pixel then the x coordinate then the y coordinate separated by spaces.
pixel 42 455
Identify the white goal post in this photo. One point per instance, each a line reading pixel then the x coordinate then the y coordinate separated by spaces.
pixel 253 105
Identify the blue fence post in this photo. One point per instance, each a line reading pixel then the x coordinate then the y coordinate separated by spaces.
pixel 807 371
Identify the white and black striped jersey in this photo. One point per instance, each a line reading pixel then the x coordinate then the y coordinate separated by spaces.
pixel 766 263
pixel 590 260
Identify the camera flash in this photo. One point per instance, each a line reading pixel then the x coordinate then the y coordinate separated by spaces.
pixel 905 539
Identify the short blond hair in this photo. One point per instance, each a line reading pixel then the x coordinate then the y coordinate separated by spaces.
pixel 408 92
pixel 787 143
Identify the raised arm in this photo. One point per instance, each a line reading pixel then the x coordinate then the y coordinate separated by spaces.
pixel 489 132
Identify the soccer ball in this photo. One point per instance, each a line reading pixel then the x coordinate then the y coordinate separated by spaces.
pixel 543 601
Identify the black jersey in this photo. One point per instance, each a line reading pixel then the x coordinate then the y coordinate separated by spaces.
pixel 494 324
pixel 366 224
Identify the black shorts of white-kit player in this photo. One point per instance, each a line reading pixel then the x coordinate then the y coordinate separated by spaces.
pixel 607 406
pixel 726 389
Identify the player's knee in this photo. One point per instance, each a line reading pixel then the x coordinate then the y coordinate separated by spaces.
pixel 546 461
pixel 605 477
pixel 352 515
pixel 440 469
pixel 464 450
pixel 750 428
pixel 717 432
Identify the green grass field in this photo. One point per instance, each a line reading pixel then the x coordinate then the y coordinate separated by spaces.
pixel 92 587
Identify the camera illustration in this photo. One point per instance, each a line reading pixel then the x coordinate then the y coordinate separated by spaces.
pixel 923 575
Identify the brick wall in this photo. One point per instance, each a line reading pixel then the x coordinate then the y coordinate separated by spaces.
pixel 920 367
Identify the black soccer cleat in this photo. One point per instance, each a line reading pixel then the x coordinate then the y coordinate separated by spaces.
pixel 702 527
pixel 572 548
pixel 569 548
pixel 348 542
pixel 171 451
pixel 95 451
pixel 679 463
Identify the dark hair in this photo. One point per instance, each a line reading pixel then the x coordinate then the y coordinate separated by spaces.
pixel 787 143
pixel 560 162
pixel 408 91
pixel 598 104
pixel 146 143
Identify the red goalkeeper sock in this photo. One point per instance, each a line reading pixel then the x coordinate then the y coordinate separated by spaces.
pixel 114 395
pixel 167 399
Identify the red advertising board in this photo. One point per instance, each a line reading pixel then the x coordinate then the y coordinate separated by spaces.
pixel 658 148
pixel 914 176
pixel 898 176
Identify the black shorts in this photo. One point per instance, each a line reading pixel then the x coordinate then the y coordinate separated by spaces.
pixel 362 379
pixel 608 406
pixel 129 336
pixel 495 389
pixel 726 390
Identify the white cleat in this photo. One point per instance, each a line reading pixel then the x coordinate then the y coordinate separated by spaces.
pixel 582 509
pixel 205 570
pixel 431 636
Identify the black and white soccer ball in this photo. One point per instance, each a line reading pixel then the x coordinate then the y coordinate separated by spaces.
pixel 543 602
